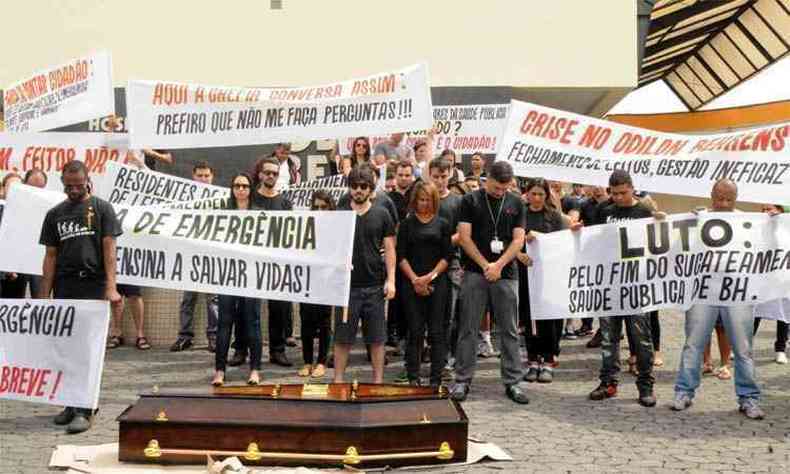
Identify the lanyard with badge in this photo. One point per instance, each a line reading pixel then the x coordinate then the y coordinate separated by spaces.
pixel 497 246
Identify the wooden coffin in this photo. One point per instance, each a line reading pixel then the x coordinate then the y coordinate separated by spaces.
pixel 293 425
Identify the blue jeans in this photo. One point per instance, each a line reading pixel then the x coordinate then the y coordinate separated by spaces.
pixel 738 323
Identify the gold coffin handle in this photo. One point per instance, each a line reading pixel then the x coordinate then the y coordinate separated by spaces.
pixel 253 453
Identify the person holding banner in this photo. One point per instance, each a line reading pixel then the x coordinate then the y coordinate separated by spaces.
pixel 239 310
pixel 738 324
pixel 316 319
pixel 541 336
pixel 80 260
pixel 424 249
pixel 372 278
pixel 491 232
pixel 269 198
pixel 625 207
pixel 782 307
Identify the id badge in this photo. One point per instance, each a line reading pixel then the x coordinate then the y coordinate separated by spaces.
pixel 497 246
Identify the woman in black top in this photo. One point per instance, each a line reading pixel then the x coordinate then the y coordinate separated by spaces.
pixel 424 249
pixel 316 318
pixel 541 336
pixel 240 310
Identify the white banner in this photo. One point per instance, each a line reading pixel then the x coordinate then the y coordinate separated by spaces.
pixel 301 195
pixel 131 186
pixel 20 152
pixel 178 115
pixel 552 144
pixel 52 351
pixel 465 129
pixel 642 265
pixel 289 256
pixel 69 93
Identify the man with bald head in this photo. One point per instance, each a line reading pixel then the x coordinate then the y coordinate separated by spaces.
pixel 738 323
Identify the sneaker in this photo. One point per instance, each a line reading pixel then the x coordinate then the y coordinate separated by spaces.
pixel 546 375
pixel 681 402
pixel 781 357
pixel 646 397
pixel 80 423
pixel 181 344
pixel 517 393
pixel 402 377
pixel 532 373
pixel 65 416
pixel 751 408
pixel 459 391
pixel 604 391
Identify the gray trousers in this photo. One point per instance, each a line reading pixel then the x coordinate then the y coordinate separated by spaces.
pixel 187 314
pixel 476 293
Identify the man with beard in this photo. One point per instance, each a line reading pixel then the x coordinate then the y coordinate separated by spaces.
pixel 79 263
pixel 268 198
pixel 372 279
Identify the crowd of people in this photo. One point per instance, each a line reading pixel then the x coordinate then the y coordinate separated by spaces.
pixel 439 259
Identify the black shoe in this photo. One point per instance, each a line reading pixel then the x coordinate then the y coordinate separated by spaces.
pixel 584 332
pixel 65 416
pixel 604 391
pixel 646 397
pixel 279 358
pixel 517 393
pixel 532 374
pixel 596 340
pixel 212 344
pixel 80 423
pixel 459 391
pixel 181 344
pixel 238 359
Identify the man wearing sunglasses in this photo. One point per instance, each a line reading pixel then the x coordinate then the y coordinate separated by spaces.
pixel 268 198
pixel 372 279
pixel 79 236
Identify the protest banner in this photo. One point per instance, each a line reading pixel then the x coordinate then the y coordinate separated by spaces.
pixel 301 195
pixel 132 186
pixel 50 151
pixel 52 351
pixel 552 144
pixel 78 90
pixel 726 259
pixel 464 129
pixel 291 256
pixel 177 115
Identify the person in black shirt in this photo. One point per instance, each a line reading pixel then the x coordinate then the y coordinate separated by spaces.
pixel 372 278
pixel 267 197
pixel 424 249
pixel 316 318
pixel 625 207
pixel 491 232
pixel 396 319
pixel 239 310
pixel 541 336
pixel 588 214
pixel 79 263
pixel 377 198
pixel 449 209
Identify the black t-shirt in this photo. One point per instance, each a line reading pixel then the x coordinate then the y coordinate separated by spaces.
pixel 401 202
pixel 613 213
pixel 543 222
pixel 449 210
pixel 370 230
pixel 276 203
pixel 477 208
pixel 424 244
pixel 587 211
pixel 77 230
pixel 380 200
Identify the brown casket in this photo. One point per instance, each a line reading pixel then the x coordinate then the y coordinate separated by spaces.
pixel 364 425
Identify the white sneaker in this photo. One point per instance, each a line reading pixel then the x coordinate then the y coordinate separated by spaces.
pixel 781 357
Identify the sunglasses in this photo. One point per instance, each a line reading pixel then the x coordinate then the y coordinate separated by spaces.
pixel 240 186
pixel 271 173
pixel 362 186
pixel 75 187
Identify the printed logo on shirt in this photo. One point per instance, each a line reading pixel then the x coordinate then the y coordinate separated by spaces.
pixel 617 220
pixel 69 230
